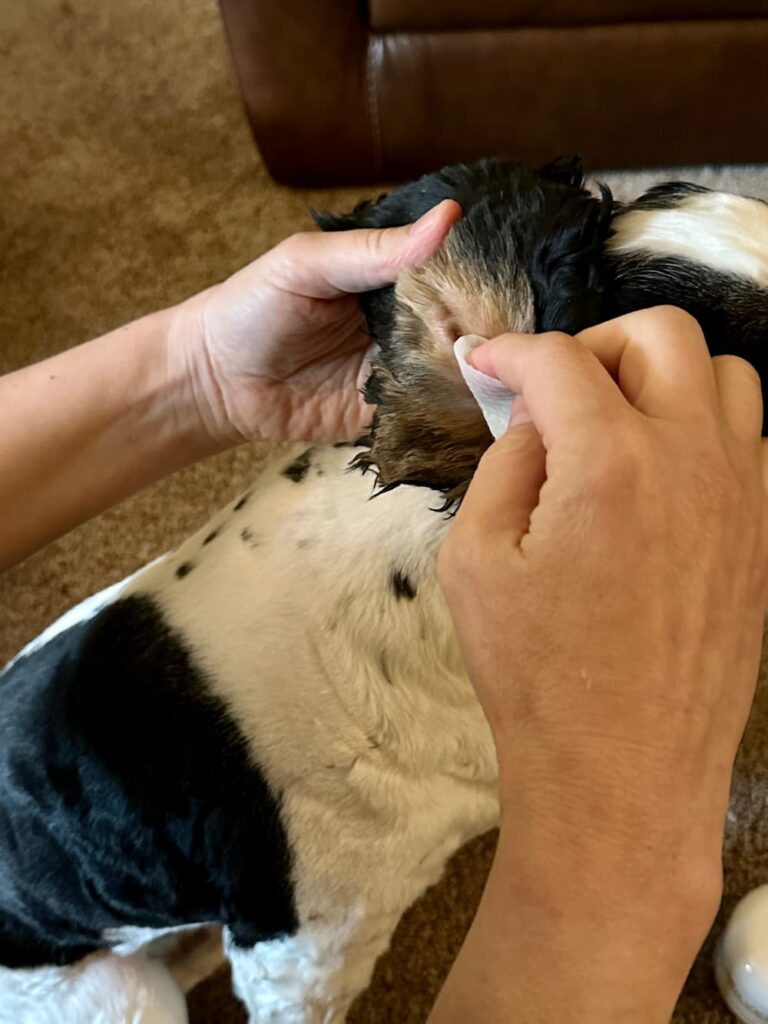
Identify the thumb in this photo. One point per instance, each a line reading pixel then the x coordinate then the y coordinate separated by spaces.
pixel 383 252
pixel 329 265
pixel 505 488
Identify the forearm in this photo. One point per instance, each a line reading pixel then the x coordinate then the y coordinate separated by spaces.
pixel 542 948
pixel 90 426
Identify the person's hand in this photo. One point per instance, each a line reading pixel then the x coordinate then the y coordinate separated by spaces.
pixel 607 575
pixel 280 349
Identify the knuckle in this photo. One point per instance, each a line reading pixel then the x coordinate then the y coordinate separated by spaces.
pixel 554 343
pixel 556 338
pixel 375 247
pixel 750 376
pixel 285 246
pixel 286 254
pixel 674 316
pixel 625 460
pixel 294 244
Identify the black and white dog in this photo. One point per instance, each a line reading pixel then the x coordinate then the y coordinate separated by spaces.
pixel 270 728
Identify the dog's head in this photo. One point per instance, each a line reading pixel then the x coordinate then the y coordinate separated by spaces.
pixel 525 256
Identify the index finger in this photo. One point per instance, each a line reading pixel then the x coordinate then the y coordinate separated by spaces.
pixel 658 357
pixel 567 391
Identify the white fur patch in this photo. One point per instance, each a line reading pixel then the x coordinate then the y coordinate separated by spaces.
pixel 728 233
pixel 102 989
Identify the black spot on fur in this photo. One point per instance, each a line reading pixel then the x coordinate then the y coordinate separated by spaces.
pixel 402 586
pixel 242 502
pixel 299 467
pixel 248 537
pixel 184 570
pixel 129 796
pixel 212 536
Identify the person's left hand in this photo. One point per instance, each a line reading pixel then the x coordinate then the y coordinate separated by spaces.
pixel 280 349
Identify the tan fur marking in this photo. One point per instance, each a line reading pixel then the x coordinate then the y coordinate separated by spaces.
pixel 429 429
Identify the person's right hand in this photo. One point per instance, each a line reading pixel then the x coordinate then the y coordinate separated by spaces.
pixel 607 574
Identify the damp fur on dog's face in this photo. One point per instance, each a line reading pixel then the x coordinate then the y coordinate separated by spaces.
pixel 524 257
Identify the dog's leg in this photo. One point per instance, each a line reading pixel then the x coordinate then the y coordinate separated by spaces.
pixel 311 977
pixel 102 989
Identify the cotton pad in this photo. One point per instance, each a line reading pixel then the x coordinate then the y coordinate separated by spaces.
pixel 494 398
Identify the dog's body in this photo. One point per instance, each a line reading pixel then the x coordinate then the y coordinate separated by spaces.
pixel 271 728
pixel 347 690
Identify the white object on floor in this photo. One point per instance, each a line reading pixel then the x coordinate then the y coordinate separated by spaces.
pixel 493 397
pixel 741 959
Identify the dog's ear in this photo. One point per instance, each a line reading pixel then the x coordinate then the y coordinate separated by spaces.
pixel 427 429
pixel 565 170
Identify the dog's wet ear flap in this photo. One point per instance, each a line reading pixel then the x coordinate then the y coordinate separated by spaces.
pixel 565 170
pixel 361 217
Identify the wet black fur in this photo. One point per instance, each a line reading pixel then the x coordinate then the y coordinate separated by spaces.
pixel 542 224
pixel 545 221
pixel 731 310
pixel 542 221
pixel 128 796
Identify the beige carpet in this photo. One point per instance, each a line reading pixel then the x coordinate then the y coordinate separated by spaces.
pixel 128 180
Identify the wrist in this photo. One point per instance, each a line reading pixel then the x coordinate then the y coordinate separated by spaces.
pixel 200 406
pixel 544 947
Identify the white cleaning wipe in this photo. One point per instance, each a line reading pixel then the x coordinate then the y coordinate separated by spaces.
pixel 494 398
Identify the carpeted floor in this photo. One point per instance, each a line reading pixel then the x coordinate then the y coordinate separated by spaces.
pixel 128 180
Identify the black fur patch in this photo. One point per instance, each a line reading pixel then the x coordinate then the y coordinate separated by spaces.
pixel 248 537
pixel 402 586
pixel 242 502
pixel 299 467
pixel 211 536
pixel 128 796
pixel 184 570
pixel 732 310
pixel 666 195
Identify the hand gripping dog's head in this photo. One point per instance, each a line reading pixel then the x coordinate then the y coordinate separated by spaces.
pixel 525 256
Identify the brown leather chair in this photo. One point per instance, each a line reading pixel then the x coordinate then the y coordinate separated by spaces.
pixel 340 91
